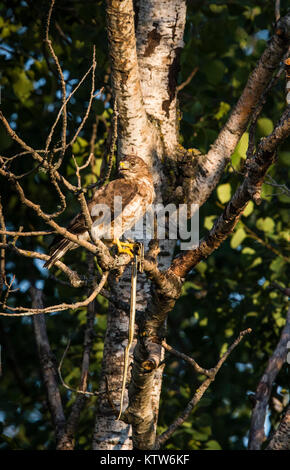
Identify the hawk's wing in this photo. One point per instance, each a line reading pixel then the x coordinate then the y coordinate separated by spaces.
pixel 125 189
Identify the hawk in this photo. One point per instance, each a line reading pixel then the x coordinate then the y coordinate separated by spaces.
pixel 134 193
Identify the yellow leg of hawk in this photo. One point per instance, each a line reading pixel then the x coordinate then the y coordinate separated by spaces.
pixel 124 247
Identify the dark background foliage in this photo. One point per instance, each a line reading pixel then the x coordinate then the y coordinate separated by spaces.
pixel 223 295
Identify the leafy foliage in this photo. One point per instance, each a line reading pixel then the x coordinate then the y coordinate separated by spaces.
pixel 223 295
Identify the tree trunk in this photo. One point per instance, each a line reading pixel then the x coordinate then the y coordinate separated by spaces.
pixel 144 74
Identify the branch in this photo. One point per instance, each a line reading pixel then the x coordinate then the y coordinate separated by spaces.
pixel 56 308
pixel 2 252
pixel 106 261
pixel 188 80
pixel 263 392
pixel 47 362
pixel 257 167
pixel 35 153
pixel 187 359
pixel 209 167
pixel 60 73
pixel 200 392
pixel 73 276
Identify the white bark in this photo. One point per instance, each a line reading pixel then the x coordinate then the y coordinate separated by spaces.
pixel 147 111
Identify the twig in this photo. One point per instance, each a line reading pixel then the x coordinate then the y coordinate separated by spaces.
pixel 90 99
pixel 284 290
pixel 277 10
pixel 56 308
pixel 199 392
pixel 68 387
pixel 48 140
pixel 267 245
pixel 187 359
pixel 25 234
pixel 114 137
pixel 188 80
pixel 2 252
pixel 73 276
pixel 60 72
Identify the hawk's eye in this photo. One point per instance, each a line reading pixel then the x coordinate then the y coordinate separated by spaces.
pixel 133 164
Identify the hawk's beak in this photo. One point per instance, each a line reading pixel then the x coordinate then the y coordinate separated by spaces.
pixel 123 166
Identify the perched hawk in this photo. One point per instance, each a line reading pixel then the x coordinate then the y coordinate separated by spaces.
pixel 114 209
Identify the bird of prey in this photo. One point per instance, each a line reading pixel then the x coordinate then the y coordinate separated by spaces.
pixel 134 193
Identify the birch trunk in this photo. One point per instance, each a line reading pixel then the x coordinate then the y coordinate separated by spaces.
pixel 144 78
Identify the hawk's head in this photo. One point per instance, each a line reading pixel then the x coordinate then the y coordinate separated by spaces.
pixel 131 167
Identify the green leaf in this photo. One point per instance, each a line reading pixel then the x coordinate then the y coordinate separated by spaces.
pixel 256 262
pixel 22 87
pixel 264 127
pixel 248 251
pixel 224 348
pixel 214 71
pixel 277 264
pixel 249 209
pixel 213 445
pixel 223 109
pixel 284 158
pixel 238 237
pixel 79 145
pixel 208 221
pixel 242 146
pixel 265 224
pixel 224 192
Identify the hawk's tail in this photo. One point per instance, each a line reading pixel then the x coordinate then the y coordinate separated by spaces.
pixel 57 251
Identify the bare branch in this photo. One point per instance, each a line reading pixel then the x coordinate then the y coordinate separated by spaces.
pixel 200 392
pixel 73 276
pixel 92 96
pixel 47 362
pixel 187 359
pixel 263 392
pixel 2 252
pixel 56 308
pixel 188 80
pixel 60 72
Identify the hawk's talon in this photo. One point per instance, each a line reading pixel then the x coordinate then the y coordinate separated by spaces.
pixel 124 247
